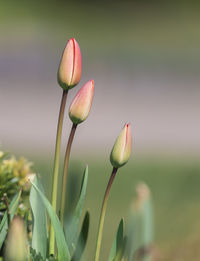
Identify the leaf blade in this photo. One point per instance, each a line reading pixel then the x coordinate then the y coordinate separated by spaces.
pixel 118 241
pixel 4 223
pixel 63 251
pixel 39 237
pixel 71 227
pixel 82 240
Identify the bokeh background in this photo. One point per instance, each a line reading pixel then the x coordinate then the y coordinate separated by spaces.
pixel 145 59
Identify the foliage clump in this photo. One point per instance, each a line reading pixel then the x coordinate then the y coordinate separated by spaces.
pixel 14 176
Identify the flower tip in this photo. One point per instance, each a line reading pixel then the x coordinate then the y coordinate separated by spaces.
pixel 127 125
pixel 73 42
pixel 92 82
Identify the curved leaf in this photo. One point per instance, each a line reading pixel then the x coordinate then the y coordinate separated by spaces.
pixel 4 223
pixel 63 251
pixel 39 238
pixel 118 241
pixel 71 229
pixel 121 250
pixel 82 240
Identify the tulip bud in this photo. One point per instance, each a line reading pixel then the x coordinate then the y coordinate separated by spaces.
pixel 16 243
pixel 80 106
pixel 69 72
pixel 122 148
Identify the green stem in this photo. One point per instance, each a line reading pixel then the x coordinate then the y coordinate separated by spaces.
pixel 103 212
pixel 65 172
pixel 56 167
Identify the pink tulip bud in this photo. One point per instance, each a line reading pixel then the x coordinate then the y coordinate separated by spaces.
pixel 69 72
pixel 122 148
pixel 80 106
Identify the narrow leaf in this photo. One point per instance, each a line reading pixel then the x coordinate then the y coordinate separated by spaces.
pixel 4 223
pixel 147 223
pixel 121 250
pixel 147 228
pixel 39 238
pixel 63 252
pixel 71 229
pixel 82 239
pixel 133 234
pixel 118 241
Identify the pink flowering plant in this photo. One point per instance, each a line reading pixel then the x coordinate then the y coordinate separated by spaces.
pixel 40 232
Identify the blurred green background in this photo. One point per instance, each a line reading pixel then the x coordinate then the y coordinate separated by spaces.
pixel 145 59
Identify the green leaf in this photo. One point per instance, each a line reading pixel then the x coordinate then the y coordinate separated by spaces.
pixel 71 228
pixel 121 250
pixel 133 234
pixel 39 238
pixel 4 223
pixel 147 223
pixel 5 154
pixel 140 230
pixel 63 251
pixel 147 228
pixel 35 256
pixel 118 241
pixel 82 239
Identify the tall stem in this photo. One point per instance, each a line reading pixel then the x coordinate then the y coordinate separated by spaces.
pixel 56 167
pixel 103 212
pixel 65 172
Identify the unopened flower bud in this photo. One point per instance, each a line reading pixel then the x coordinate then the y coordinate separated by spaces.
pixel 80 106
pixel 69 72
pixel 16 243
pixel 122 148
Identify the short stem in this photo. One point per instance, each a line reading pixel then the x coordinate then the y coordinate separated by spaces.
pixel 103 212
pixel 65 172
pixel 56 167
